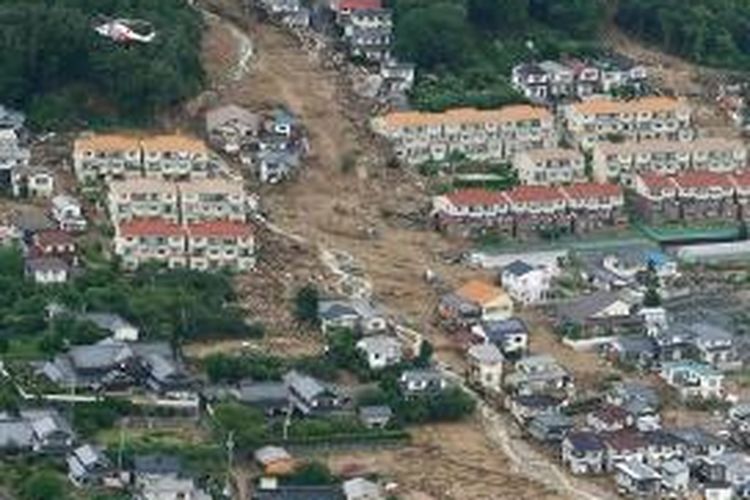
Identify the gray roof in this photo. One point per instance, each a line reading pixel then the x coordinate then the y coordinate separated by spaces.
pixel 425 375
pixel 258 392
pixel 552 419
pixel 46 264
pixel 99 356
pixel 486 353
pixel 335 309
pixel 87 455
pixel 161 368
pixel 15 434
pixel 705 332
pixel 517 268
pixel 583 308
pixel 636 469
pixel 46 421
pixel 695 436
pixel 674 467
pixel 379 344
pixel 304 385
pixel 376 412
pixel 585 441
pixel 360 487
pixel 269 454
pixel 32 219
pixel 108 321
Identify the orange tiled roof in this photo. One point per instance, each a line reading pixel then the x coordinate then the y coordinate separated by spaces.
pixel 531 194
pixel 703 179
pixel 608 106
pixel 459 116
pixel 150 227
pixel 107 142
pixel 477 196
pixel 220 228
pixel 173 142
pixel 480 292
pixel 592 190
pixel 656 182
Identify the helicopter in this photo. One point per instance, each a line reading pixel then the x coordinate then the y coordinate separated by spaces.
pixel 122 30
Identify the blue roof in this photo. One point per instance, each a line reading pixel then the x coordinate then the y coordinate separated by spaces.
pixel 499 329
pixel 585 441
pixel 657 258
pixel 517 268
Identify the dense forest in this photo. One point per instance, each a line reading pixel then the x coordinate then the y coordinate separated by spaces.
pixel 55 66
pixel 465 49
pixel 711 32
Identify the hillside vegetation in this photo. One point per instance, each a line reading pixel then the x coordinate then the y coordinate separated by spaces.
pixel 711 32
pixel 465 49
pixel 55 66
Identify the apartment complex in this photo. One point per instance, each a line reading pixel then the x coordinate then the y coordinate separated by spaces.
pixel 482 135
pixel 550 166
pixel 529 211
pixel 118 156
pixel 206 245
pixel 212 199
pixel 691 197
pixel 622 161
pixel 645 118
pixel 143 198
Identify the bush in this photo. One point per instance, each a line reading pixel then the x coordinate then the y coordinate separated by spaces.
pixel 43 485
pixel 306 304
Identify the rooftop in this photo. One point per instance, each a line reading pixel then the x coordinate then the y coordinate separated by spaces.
pixel 535 194
pixel 588 190
pixel 142 185
pixel 150 227
pixel 486 353
pixel 477 196
pixel 639 105
pixel 480 292
pixel 220 228
pixel 459 116
pixel 553 154
pixel 173 143
pixel 703 179
pixel 107 143
pixel 53 237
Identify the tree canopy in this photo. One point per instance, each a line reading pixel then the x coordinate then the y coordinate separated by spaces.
pixel 55 66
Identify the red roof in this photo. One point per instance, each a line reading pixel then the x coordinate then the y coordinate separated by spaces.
pixel 625 440
pixel 703 179
pixel 477 196
pixel 360 4
pixel 586 190
pixel 53 237
pixel 151 227
pixel 656 182
pixel 220 228
pixel 531 194
pixel 611 414
pixel 742 179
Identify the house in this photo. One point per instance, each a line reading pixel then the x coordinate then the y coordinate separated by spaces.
pixel 118 327
pixel 473 209
pixel 16 435
pixel 156 465
pixel 368 33
pixel 354 314
pixel 475 301
pixel 538 374
pixel 626 444
pixel 636 479
pixel 397 76
pixel 38 430
pixel 162 371
pixel 375 417
pixel 486 367
pixel 549 167
pixel 549 427
pixel 525 407
pixel 309 396
pixel 594 206
pixel 270 397
pixel 361 489
pixel 106 156
pixel 47 270
pixel 675 477
pixel 633 350
pixel 643 118
pixel 698 443
pixel 87 465
pixel 212 199
pixel 274 491
pixel 609 418
pixel 583 452
pixel 526 284
pixel 736 470
pixel 68 213
pixel 32 182
pixel 719 490
pixel 641 402
pixel 229 127
pixel 157 487
pixel 480 135
pixel 511 336
pixel 380 351
pixel 692 379
pixel 601 312
pixel 663 446
pixel 13 156
pixel 53 243
pixel 715 346
pixel 422 381
pixel 275 461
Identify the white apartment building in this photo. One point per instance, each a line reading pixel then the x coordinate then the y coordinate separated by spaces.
pixel 219 244
pixel 174 156
pixel 481 135
pixel 472 204
pixel 645 118
pixel 550 166
pixel 106 156
pixel 612 161
pixel 150 240
pixel 212 199
pixel 142 198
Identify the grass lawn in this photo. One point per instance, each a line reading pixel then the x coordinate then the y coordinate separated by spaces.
pixel 23 349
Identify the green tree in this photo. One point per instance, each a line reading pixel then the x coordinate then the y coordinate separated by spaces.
pixel 652 297
pixel 306 304
pixel 248 425
pixel 311 474
pixel 43 485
